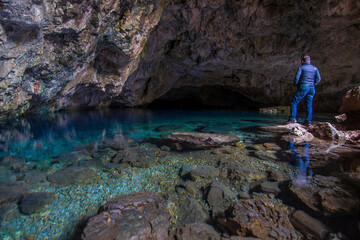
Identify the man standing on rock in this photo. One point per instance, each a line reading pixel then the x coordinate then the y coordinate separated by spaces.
pixel 307 77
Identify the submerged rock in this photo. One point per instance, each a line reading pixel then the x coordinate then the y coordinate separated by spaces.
pixel 141 215
pixel 308 225
pixel 270 187
pixel 196 140
pixel 34 202
pixel 195 232
pixel 219 197
pixel 261 217
pixel 242 173
pixel 327 196
pixel 11 191
pixel 135 157
pixel 72 176
pixel 194 173
pixel 191 211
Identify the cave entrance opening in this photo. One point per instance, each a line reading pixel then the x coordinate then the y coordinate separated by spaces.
pixel 204 97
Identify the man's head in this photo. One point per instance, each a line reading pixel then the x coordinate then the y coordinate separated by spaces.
pixel 305 59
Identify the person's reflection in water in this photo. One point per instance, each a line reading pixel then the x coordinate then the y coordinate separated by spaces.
pixel 302 163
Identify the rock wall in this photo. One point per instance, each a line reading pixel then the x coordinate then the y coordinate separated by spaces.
pixel 58 54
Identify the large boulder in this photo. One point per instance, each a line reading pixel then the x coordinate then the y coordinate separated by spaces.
pixel 261 217
pixel 141 215
pixel 327 131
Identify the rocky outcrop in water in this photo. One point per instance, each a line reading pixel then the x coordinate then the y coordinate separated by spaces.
pixel 91 53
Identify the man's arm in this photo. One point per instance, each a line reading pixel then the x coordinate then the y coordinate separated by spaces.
pixel 297 76
pixel 317 77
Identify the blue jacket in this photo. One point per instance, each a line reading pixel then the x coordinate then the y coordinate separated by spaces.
pixel 307 75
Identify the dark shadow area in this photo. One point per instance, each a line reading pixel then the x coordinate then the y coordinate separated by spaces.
pixel 204 97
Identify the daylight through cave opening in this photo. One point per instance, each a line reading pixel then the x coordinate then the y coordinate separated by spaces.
pixel 204 97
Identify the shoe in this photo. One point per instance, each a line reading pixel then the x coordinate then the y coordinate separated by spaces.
pixel 290 121
pixel 307 124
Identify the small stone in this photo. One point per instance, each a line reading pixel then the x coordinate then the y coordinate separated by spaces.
pixel 165 148
pixel 240 145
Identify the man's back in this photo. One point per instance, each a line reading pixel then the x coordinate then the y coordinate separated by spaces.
pixel 307 75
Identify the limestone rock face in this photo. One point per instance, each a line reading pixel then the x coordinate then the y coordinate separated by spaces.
pixel 89 53
pixel 73 53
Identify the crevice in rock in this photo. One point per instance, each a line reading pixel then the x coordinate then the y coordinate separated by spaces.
pixel 204 97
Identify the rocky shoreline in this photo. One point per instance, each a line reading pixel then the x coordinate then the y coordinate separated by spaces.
pixel 291 182
pixel 229 200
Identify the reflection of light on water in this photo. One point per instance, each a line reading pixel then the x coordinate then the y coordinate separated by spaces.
pixel 303 171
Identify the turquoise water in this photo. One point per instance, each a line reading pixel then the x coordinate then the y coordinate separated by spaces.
pixel 35 147
pixel 40 137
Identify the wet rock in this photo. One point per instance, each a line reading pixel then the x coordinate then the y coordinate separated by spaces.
pixel 352 137
pixel 191 211
pixel 240 145
pixel 241 238
pixel 284 128
pixel 270 187
pixel 325 130
pixel 219 197
pixel 197 173
pixel 72 176
pixel 165 148
pixel 141 215
pixel 309 226
pixel 221 151
pixel 135 157
pixel 277 176
pixel 298 134
pixel 328 196
pixel 260 217
pixel 34 202
pixel 11 191
pixel 192 188
pixel 292 132
pixel 340 118
pixel 267 146
pixel 18 164
pixel 195 140
pixel 195 232
pixel 34 177
pixel 275 110
pixel 117 143
pixel 242 173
